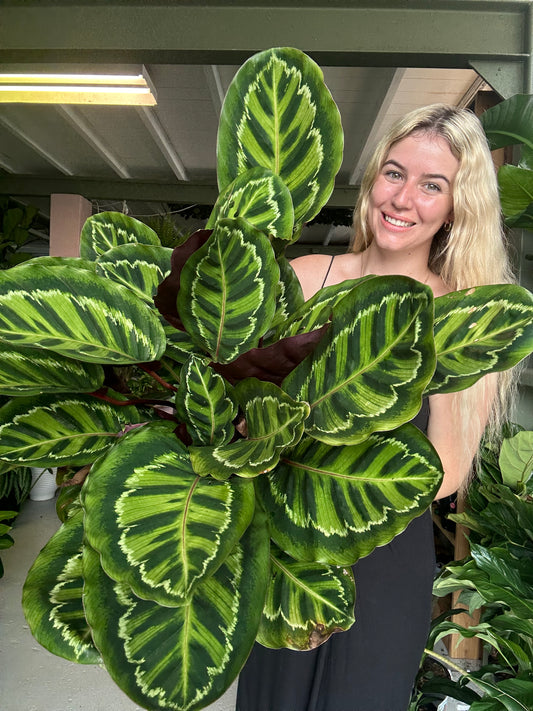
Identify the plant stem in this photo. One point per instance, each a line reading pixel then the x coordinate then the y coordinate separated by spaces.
pixel 446 661
pixel 159 379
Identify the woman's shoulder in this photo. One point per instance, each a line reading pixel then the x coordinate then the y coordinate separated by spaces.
pixel 312 270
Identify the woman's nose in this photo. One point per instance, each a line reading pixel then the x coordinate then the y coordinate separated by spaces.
pixel 403 196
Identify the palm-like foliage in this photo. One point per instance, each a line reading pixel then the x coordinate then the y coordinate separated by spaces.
pixel 272 445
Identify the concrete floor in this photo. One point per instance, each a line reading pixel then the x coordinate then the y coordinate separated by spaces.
pixel 31 678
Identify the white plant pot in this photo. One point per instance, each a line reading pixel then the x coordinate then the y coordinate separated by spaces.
pixel 43 483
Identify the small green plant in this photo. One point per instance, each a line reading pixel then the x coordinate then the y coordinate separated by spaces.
pixel 496 578
pixel 244 447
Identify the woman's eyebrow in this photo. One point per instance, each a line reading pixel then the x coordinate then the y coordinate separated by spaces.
pixel 433 176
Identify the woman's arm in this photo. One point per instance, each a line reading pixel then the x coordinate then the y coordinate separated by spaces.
pixel 456 431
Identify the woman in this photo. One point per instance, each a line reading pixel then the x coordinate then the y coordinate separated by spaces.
pixel 428 209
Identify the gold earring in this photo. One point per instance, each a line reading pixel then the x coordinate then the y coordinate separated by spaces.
pixel 448 225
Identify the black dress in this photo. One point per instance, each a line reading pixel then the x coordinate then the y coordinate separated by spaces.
pixel 372 666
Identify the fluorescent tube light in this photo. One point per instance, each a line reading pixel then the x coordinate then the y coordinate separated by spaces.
pixel 111 89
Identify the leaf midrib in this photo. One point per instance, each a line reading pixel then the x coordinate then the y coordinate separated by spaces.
pixel 298 583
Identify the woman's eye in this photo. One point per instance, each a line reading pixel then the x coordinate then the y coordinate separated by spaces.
pixel 432 187
pixel 393 175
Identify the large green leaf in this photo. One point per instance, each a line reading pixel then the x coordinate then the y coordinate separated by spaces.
pixel 78 314
pixel 369 371
pixel 50 430
pixel 316 311
pixel 336 504
pixel 109 229
pixel 202 402
pixel 30 371
pixel 479 331
pixel 273 422
pixel 51 597
pixel 306 603
pixel 180 658
pixel 227 290
pixel 508 695
pixel 279 114
pixel 516 460
pixel 510 122
pixel 140 267
pixel 158 527
pixel 516 189
pixel 261 197
pixel 523 220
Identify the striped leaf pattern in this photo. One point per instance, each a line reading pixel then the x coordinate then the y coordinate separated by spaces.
pixel 479 331
pixel 369 371
pixel 159 528
pixel 52 596
pixel 289 296
pixel 306 603
pixel 227 290
pixel 316 311
pixel 140 267
pixel 106 230
pixel 261 197
pixel 202 401
pixel 273 421
pixel 52 430
pixel 336 504
pixel 180 346
pixel 184 657
pixel 279 114
pixel 31 371
pixel 78 314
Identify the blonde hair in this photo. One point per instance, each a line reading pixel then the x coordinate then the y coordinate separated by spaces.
pixel 474 251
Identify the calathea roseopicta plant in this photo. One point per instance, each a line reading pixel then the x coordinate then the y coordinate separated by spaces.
pixel 226 502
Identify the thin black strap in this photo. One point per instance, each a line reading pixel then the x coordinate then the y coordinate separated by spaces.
pixel 327 273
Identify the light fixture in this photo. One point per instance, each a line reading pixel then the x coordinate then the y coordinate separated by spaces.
pixel 110 89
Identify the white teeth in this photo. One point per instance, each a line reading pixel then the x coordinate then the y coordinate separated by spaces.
pixel 397 223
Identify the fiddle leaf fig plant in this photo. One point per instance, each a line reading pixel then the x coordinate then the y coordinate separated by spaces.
pixel 243 448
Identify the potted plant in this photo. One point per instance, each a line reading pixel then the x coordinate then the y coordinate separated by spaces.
pixel 231 430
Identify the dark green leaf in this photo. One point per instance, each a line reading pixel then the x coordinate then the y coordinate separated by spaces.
pixel 52 596
pixel 78 314
pixel 50 430
pixel 180 658
pixel 306 603
pixel 106 230
pixel 261 197
pixel 336 504
pixel 369 371
pixel 159 528
pixel 279 114
pixel 227 290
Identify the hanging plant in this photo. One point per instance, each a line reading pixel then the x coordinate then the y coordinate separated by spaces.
pixel 227 500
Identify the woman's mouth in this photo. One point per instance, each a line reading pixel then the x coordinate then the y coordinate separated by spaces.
pixel 396 222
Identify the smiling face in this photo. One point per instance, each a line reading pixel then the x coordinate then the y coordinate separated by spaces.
pixel 412 196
